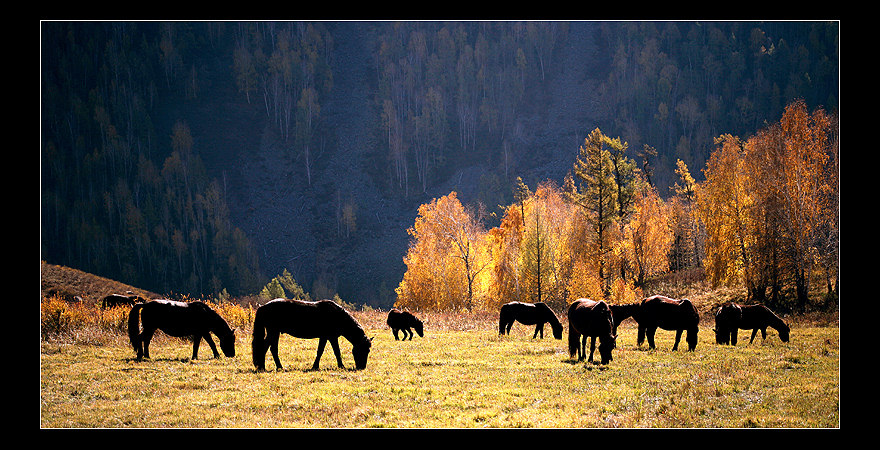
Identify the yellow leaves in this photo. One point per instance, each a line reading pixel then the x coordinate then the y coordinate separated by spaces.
pixel 539 251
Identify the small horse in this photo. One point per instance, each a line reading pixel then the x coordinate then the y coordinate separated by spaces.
pixel 404 321
pixel 129 299
pixel 732 317
pixel 179 319
pixel 529 314
pixel 669 314
pixel 592 319
pixel 621 312
pixel 323 319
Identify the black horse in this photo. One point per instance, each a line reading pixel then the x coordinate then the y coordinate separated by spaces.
pixel 323 319
pixel 179 319
pixel 732 317
pixel 528 314
pixel 591 319
pixel 622 312
pixel 114 300
pixel 669 314
pixel 404 321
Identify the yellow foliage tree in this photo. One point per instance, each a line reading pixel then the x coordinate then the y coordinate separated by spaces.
pixel 445 258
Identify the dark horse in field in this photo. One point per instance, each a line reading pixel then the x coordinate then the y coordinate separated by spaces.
pixel 129 299
pixel 591 319
pixel 404 321
pixel 323 319
pixel 528 314
pixel 179 319
pixel 622 312
pixel 732 317
pixel 669 314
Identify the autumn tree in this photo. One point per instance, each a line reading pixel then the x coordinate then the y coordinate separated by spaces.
pixel 446 255
pixel 648 234
pixel 596 187
pixel 725 207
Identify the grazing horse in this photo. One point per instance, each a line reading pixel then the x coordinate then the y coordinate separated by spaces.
pixel 129 299
pixel 323 319
pixel 621 312
pixel 404 321
pixel 669 314
pixel 528 314
pixel 732 317
pixel 179 319
pixel 591 319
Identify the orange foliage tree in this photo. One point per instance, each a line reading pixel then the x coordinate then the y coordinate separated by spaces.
pixel 769 206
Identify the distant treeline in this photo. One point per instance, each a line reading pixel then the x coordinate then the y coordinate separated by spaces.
pixel 125 199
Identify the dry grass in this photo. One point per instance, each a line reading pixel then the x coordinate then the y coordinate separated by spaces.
pixel 462 374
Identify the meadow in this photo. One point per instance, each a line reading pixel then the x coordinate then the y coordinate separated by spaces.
pixel 461 374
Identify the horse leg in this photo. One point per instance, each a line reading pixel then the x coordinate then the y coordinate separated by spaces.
pixel 210 342
pixel 395 330
pixel 754 333
pixel 677 339
pixel 539 328
pixel 335 344
pixel 410 331
pixel 197 339
pixel 763 334
pixel 641 337
pixel 321 343
pixel 592 348
pixel 145 339
pixel 272 338
pixel 649 332
pixel 733 336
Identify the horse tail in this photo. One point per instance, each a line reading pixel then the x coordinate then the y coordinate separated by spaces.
pixel 258 346
pixel 502 319
pixel 133 328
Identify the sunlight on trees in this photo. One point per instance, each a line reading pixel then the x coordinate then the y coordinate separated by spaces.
pixel 765 217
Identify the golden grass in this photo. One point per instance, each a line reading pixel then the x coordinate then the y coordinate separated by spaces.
pixel 460 375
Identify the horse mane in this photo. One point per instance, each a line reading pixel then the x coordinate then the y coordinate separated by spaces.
pixel 351 328
pixel 551 316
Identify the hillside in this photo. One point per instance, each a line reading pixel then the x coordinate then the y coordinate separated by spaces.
pixel 228 203
pixel 90 287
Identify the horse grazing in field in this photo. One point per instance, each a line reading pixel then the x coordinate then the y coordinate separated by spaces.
pixel 669 314
pixel 323 320
pixel 404 321
pixel 732 317
pixel 588 318
pixel 179 319
pixel 114 300
pixel 621 312
pixel 529 314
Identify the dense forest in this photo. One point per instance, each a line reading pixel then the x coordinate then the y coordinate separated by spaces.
pixel 150 129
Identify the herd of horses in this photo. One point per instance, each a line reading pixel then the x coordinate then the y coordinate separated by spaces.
pixel 327 321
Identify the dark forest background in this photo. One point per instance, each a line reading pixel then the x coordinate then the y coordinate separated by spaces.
pixel 207 157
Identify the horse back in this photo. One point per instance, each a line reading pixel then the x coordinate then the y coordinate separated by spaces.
pixel 589 317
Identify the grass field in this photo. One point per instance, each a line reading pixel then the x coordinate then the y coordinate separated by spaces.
pixel 460 375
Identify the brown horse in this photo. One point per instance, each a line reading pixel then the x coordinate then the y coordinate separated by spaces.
pixel 621 312
pixel 732 317
pixel 404 321
pixel 179 319
pixel 528 314
pixel 591 319
pixel 669 314
pixel 323 320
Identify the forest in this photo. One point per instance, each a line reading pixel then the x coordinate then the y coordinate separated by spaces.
pixel 765 218
pixel 700 144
